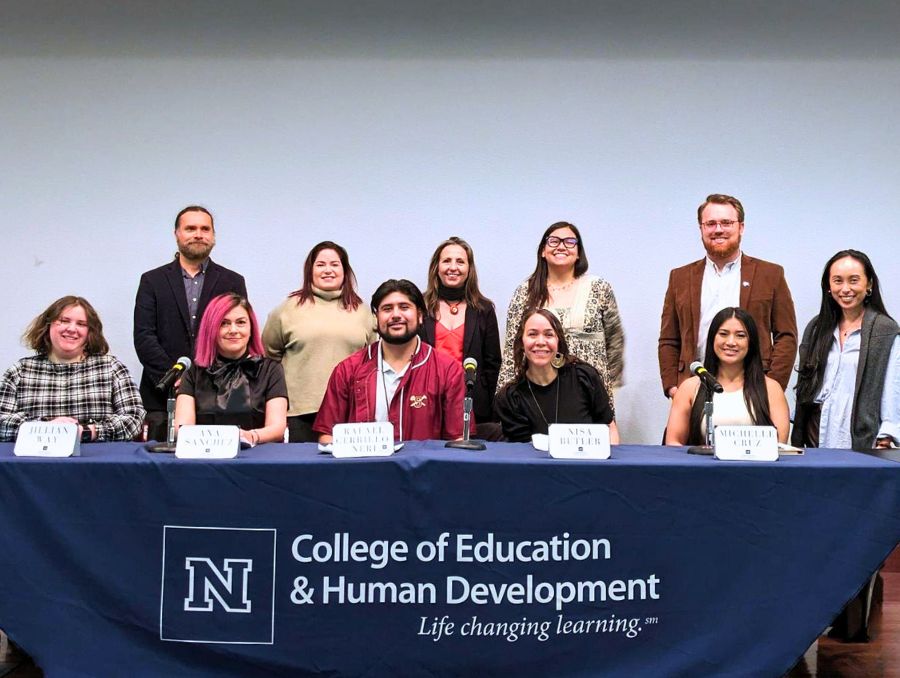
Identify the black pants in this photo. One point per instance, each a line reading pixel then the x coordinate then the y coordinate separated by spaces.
pixel 300 428
pixel 156 422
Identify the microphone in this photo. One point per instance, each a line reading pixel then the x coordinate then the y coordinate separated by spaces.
pixel 707 378
pixel 470 365
pixel 170 377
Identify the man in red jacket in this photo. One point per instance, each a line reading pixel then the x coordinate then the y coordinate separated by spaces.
pixel 400 378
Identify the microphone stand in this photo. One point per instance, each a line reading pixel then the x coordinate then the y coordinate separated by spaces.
pixel 465 443
pixel 707 449
pixel 169 445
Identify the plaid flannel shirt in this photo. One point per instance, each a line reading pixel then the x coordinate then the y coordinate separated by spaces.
pixel 97 390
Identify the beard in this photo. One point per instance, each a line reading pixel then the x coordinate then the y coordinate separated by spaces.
pixel 195 251
pixel 397 339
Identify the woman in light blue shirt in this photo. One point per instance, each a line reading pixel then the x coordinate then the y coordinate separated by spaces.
pixel 848 390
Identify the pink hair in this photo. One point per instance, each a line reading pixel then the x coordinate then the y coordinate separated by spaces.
pixel 208 333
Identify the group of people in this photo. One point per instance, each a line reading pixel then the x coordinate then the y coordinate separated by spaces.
pixel 324 358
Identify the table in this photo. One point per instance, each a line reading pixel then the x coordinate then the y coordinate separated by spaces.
pixel 654 562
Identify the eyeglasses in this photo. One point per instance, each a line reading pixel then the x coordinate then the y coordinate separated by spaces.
pixel 553 241
pixel 724 223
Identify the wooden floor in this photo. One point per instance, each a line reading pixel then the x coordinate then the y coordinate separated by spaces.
pixel 827 658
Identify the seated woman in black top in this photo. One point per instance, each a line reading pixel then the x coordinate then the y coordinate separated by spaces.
pixel 550 386
pixel 231 382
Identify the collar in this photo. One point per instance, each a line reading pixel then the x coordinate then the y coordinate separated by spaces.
pixel 727 268
pixel 326 295
pixel 185 274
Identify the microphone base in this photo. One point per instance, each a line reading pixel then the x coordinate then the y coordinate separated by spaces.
pixel 161 447
pixel 466 445
pixel 704 450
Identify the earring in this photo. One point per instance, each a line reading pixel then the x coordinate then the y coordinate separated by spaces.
pixel 558 360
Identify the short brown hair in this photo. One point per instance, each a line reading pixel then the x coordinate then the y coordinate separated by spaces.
pixel 37 336
pixel 721 199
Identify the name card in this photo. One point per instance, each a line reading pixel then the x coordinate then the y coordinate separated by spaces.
pixel 578 441
pixel 47 439
pixel 367 439
pixel 746 443
pixel 208 442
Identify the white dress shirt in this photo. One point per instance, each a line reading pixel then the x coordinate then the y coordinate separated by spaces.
pixel 720 288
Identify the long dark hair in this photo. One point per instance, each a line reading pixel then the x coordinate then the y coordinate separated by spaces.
pixel 349 297
pixel 812 369
pixel 474 297
pixel 562 347
pixel 538 295
pixel 756 395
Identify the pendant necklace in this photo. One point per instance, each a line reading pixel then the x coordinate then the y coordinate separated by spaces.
pixel 556 414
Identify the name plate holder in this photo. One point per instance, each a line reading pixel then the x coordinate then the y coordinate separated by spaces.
pixel 47 439
pixel 208 442
pixel 746 443
pixel 365 439
pixel 578 441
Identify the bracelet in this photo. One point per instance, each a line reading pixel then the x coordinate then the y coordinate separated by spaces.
pixel 254 435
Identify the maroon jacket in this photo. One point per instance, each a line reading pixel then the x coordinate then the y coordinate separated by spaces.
pixel 428 404
pixel 764 295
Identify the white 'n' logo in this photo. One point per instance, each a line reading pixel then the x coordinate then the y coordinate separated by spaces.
pixel 217 584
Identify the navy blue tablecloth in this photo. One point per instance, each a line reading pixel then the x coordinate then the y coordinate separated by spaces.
pixel 143 564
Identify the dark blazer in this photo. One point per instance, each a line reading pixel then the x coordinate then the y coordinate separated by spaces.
pixel 162 331
pixel 764 295
pixel 481 341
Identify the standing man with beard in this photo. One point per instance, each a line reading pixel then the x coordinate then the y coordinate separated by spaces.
pixel 170 302
pixel 399 378
pixel 725 277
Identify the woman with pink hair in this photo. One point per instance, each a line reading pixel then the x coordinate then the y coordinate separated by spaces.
pixel 231 381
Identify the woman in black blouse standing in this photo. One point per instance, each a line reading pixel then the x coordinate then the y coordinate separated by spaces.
pixel 550 386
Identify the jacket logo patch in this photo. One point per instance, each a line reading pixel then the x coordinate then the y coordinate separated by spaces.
pixel 418 402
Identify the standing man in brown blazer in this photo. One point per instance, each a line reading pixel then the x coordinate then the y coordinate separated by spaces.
pixel 725 277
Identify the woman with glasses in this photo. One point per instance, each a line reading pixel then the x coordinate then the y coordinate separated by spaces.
pixel 231 382
pixel 461 321
pixel 71 379
pixel 314 329
pixel 848 389
pixel 550 386
pixel 584 304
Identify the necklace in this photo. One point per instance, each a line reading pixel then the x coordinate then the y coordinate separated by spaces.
pixel 556 414
pixel 454 308
pixel 560 288
pixel 851 328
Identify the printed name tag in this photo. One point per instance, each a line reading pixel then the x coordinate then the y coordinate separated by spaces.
pixel 208 442
pixel 579 441
pixel 369 439
pixel 746 443
pixel 47 439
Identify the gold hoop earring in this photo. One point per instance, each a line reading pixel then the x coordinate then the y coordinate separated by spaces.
pixel 558 360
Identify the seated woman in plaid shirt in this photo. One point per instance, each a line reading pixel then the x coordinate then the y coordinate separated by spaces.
pixel 72 379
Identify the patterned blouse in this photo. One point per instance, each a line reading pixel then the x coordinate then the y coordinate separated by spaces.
pixel 599 340
pixel 98 389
